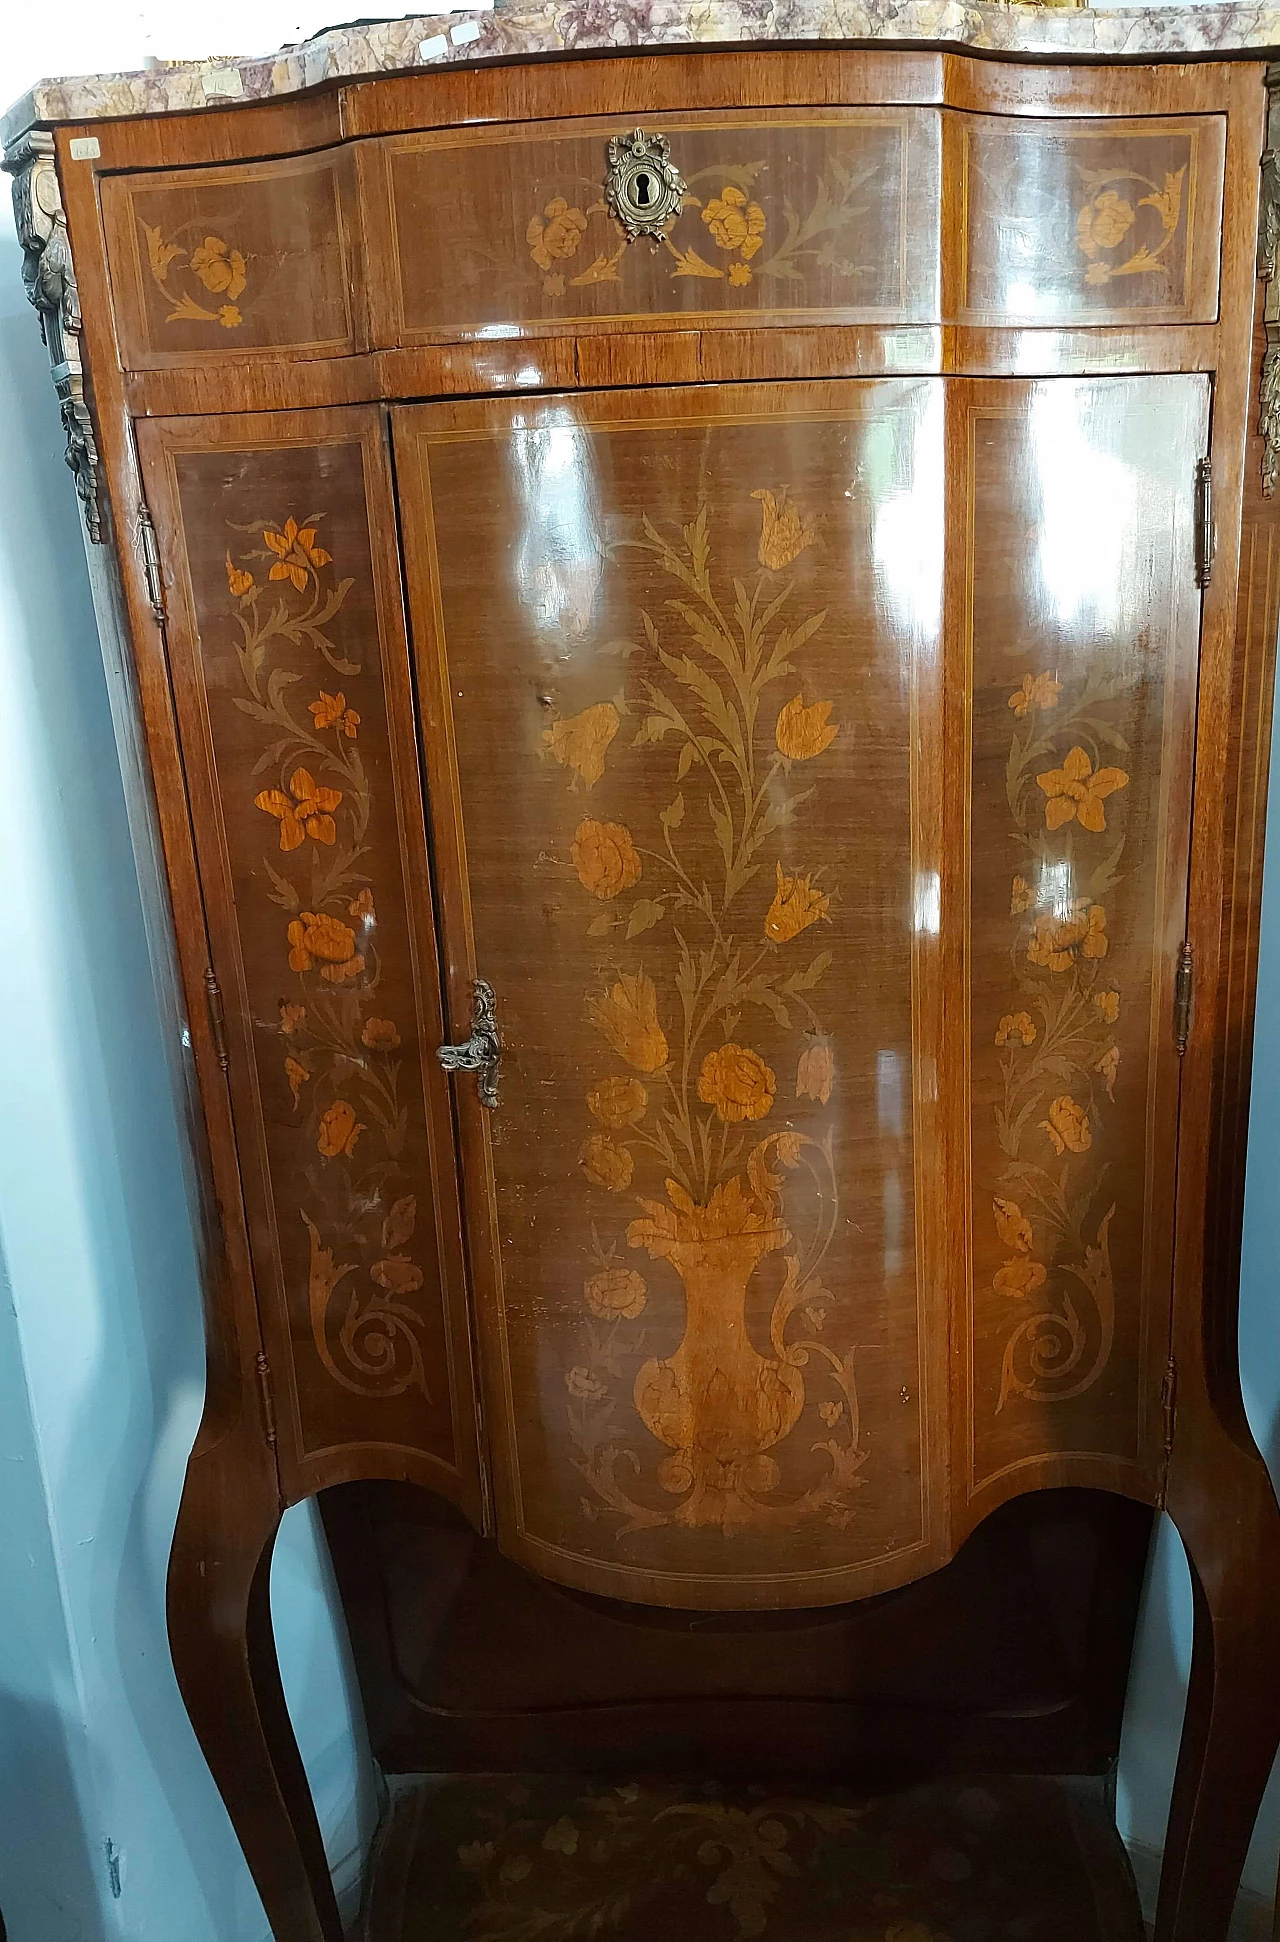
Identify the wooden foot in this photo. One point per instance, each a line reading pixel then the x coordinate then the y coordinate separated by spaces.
pixel 225 1658
pixel 1231 1730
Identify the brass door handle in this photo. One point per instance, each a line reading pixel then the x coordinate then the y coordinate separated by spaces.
pixel 643 187
pixel 481 1052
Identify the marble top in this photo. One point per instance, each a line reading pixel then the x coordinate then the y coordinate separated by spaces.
pixel 525 28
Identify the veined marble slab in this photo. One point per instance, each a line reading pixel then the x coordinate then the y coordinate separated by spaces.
pixel 532 27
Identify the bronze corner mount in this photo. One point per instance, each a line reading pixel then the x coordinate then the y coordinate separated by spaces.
pixel 50 277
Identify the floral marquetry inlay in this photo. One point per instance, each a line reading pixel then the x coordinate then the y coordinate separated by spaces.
pixel 339 1051
pixel 719 1158
pixel 1059 1040
pixel 209 272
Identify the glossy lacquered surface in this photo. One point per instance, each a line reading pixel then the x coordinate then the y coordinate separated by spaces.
pixel 1083 238
pixel 719 645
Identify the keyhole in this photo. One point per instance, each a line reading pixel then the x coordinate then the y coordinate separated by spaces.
pixel 644 190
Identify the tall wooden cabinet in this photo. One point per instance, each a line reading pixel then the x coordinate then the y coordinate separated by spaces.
pixel 703 630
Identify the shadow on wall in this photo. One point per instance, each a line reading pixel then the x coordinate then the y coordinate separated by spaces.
pixel 106 1319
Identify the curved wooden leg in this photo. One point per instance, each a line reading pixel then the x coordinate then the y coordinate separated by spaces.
pixel 219 1605
pixel 1231 1731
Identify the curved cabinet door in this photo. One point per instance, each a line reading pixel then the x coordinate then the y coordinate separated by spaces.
pixel 763 723
pixel 291 685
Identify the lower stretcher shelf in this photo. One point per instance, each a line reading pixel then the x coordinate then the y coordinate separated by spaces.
pixel 538 1858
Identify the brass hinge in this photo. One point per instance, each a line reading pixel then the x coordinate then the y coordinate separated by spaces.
pixel 1183 983
pixel 1204 522
pixel 149 547
pixel 1169 1404
pixel 264 1392
pixel 217 1018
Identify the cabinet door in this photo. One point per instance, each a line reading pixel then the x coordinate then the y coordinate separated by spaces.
pixel 763 725
pixel 679 653
pixel 291 683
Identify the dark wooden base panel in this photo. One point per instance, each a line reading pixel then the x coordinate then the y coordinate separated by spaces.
pixel 1012 1659
pixel 983 1859
pixel 704 632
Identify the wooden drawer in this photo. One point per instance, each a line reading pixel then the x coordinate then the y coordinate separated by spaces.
pixel 1082 222
pixel 828 216
pixel 212 265
pixel 790 213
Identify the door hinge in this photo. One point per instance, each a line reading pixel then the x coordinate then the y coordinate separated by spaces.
pixel 1204 522
pixel 1169 1405
pixel 217 1018
pixel 1183 984
pixel 268 1402
pixel 149 547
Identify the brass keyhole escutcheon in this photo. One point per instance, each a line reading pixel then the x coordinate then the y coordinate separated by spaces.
pixel 643 188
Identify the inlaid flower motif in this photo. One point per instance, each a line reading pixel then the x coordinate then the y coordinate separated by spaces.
pixel 605 1164
pixel 1077 790
pixel 331 711
pixel 1012 1225
pixel 307 814
pixel 237 579
pixel 219 267
pixel 581 741
pixel 297 555
pixel 628 1017
pixel 1037 691
pixel 297 1075
pixel 581 1383
pixel 380 1035
pixel 796 905
pixel 732 1210
pixel 1107 1004
pixel 397 1274
pixel 1104 222
pixel 740 274
pixel 615 1293
pixel 229 316
pixel 1068 1126
pixel 737 1082
pixel 561 1837
pixel 362 906
pixel 815 1073
pixel 292 1018
pixel 1109 1066
pixel 556 234
pixel 315 934
pixel 605 858
pixel 1016 1026
pixel 1020 1277
pixel 801 732
pixel 783 535
pixel 1020 897
pixel 1057 941
pixel 736 223
pixel 618 1102
pixel 339 1130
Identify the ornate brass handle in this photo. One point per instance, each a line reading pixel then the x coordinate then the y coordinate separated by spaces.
pixel 481 1052
pixel 643 187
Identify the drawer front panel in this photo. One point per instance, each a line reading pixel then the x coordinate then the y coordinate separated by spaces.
pixel 788 214
pixel 226 263
pixel 1105 222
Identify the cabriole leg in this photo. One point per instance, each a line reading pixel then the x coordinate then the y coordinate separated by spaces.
pixel 225 1658
pixel 1232 1727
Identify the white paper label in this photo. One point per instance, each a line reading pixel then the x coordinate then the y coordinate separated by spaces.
pixel 431 50
pixel 85 148
pixel 222 80
pixel 464 31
